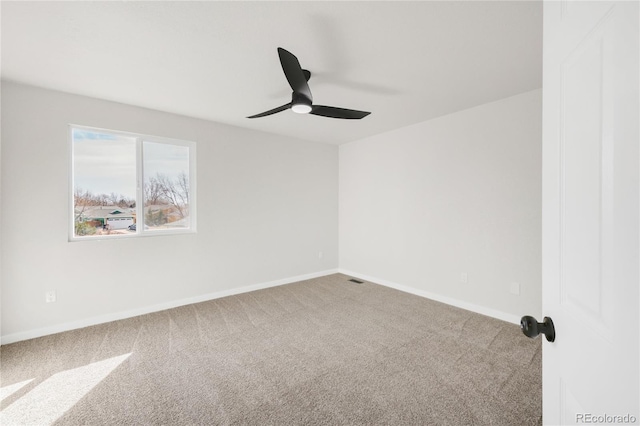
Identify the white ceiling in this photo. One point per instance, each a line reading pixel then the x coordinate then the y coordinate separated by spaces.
pixel 405 62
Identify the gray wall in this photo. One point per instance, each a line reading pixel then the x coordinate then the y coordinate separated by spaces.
pixel 266 206
pixel 417 207
pixel 460 193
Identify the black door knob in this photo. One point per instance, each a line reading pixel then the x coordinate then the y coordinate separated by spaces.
pixel 531 328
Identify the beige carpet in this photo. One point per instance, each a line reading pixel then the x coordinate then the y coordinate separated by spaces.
pixel 319 352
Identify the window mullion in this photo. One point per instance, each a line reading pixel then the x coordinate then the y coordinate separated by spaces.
pixel 139 187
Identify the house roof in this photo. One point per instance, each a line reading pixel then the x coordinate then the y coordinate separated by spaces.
pixel 108 213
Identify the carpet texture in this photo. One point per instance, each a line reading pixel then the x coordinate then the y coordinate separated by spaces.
pixel 318 352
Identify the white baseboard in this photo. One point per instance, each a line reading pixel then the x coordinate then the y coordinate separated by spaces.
pixel 439 298
pixel 44 331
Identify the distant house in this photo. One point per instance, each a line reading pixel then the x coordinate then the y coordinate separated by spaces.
pixel 157 215
pixel 113 216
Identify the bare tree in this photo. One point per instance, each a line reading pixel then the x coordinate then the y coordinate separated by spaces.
pixel 175 192
pixel 102 199
pixel 153 192
pixel 113 199
pixel 183 187
pixel 81 200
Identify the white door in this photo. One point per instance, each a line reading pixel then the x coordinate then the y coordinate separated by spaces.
pixel 590 211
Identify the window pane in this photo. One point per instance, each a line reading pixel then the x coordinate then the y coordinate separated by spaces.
pixel 166 186
pixel 104 183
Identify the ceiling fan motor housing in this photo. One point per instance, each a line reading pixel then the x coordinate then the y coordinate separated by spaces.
pixel 300 99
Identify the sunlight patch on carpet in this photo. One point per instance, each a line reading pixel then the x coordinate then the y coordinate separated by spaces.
pixel 7 391
pixel 55 396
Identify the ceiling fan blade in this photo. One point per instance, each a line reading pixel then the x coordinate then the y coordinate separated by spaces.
pixel 272 111
pixel 334 112
pixel 293 71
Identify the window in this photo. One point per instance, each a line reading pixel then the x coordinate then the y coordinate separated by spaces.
pixel 124 184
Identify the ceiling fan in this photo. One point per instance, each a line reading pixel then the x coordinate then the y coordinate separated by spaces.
pixel 301 99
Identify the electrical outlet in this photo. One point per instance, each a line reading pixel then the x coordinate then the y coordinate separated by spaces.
pixel 320 255
pixel 464 277
pixel 514 288
pixel 50 296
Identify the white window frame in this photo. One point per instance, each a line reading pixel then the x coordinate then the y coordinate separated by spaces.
pixel 140 219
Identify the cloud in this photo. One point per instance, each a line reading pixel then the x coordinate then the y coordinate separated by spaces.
pixel 103 166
